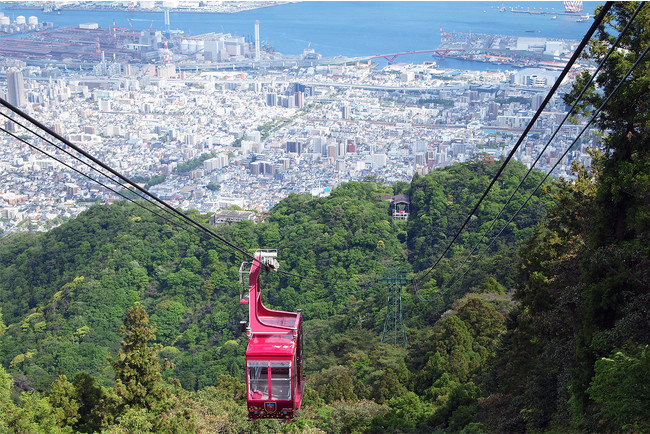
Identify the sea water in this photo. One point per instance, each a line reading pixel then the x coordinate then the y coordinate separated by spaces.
pixel 353 28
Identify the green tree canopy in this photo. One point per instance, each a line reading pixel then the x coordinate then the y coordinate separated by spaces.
pixel 583 324
pixel 138 381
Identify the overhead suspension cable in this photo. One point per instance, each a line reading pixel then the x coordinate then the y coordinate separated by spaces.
pixel 591 120
pixel 124 185
pixel 597 21
pixel 541 153
pixel 142 193
pixel 123 178
pixel 163 217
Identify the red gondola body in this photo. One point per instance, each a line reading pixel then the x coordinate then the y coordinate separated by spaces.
pixel 274 374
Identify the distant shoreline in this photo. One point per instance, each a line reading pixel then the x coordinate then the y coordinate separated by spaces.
pixel 223 9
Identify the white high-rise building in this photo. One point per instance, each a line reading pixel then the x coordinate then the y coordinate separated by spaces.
pixel 16 88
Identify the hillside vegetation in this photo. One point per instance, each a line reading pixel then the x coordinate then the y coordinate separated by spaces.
pixel 65 294
pixel 577 350
pixel 120 322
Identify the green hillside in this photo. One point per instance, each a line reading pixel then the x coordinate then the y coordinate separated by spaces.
pixel 64 293
pixel 120 322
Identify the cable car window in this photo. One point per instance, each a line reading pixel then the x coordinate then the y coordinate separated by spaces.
pixel 281 380
pixel 258 380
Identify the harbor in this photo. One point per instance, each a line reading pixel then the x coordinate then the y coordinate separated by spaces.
pixel 517 51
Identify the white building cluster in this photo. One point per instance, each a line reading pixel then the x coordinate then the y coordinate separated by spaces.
pixel 345 123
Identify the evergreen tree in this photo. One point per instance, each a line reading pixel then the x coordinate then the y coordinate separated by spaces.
pixel 616 286
pixel 6 405
pixel 624 173
pixel 62 396
pixel 92 400
pixel 583 322
pixel 138 381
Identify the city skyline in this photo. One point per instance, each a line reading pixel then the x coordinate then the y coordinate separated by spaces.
pixel 263 133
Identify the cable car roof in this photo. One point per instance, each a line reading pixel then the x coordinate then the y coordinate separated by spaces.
pixel 272 346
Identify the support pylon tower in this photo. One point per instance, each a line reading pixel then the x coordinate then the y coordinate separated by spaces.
pixel 394 330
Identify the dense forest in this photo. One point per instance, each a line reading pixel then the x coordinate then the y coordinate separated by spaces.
pixel 67 294
pixel 119 321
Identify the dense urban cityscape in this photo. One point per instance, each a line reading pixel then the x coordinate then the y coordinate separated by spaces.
pixel 215 121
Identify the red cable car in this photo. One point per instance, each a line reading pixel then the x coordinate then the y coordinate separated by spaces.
pixel 274 374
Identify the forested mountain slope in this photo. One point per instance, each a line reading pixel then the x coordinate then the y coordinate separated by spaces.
pixel 441 202
pixel 64 294
pixel 577 350
pixel 549 332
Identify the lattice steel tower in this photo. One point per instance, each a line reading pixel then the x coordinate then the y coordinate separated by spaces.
pixel 394 330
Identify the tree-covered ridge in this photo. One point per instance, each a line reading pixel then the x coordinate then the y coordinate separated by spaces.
pixel 441 201
pixel 75 284
pixel 576 352
pixel 64 292
pixel 85 275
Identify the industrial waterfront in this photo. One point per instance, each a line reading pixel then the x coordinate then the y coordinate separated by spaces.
pixel 216 119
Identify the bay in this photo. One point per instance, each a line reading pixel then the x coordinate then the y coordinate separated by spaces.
pixel 352 28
